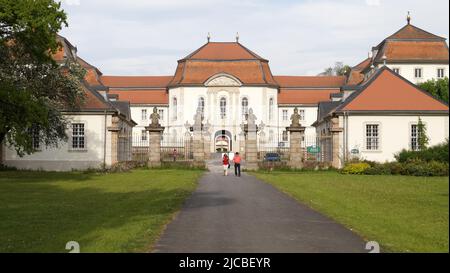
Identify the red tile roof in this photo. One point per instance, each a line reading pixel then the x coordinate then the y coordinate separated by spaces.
pixel 388 91
pixel 136 81
pixel 227 58
pixel 223 51
pixel 309 82
pixel 356 76
pixel 198 72
pixel 412 44
pixel 142 96
pixel 305 96
pixel 412 32
pixel 415 51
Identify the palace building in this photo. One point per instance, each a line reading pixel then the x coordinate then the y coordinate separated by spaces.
pixel 377 105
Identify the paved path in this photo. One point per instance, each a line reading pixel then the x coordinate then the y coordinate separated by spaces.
pixel 236 215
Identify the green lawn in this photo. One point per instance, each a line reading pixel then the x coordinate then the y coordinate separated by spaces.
pixel 40 212
pixel 404 214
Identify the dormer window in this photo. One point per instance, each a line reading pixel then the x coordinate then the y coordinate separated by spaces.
pixel 441 73
pixel 418 72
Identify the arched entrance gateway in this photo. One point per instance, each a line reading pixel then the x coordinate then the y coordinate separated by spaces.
pixel 223 141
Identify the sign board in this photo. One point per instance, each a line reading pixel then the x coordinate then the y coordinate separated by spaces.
pixel 354 151
pixel 313 149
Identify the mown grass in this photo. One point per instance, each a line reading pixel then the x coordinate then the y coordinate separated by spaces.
pixel 404 214
pixel 121 212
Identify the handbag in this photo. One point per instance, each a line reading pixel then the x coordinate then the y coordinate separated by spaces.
pixel 229 165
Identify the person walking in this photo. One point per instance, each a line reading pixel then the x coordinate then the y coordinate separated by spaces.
pixel 226 163
pixel 237 164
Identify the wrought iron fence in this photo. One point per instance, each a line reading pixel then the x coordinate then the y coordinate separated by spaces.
pixel 318 148
pixel 140 147
pixel 269 150
pixel 176 148
pixel 124 147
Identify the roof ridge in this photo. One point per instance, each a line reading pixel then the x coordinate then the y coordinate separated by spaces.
pixel 416 28
pixel 377 74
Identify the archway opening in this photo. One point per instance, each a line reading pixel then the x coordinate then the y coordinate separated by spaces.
pixel 223 141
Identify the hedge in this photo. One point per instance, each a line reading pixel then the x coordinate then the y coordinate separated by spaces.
pixel 437 153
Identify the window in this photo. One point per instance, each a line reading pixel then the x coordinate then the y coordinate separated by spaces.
pixel 441 73
pixel 418 73
pixel 396 70
pixel 285 115
pixel 414 137
pixel 271 109
pixel 161 114
pixel 302 114
pixel 35 139
pixel 78 138
pixel 285 136
pixel 372 137
pixel 201 105
pixel 223 108
pixel 175 108
pixel 144 135
pixel 144 114
pixel 244 107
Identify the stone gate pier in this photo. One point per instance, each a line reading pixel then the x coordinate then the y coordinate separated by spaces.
pixel 297 133
pixel 155 132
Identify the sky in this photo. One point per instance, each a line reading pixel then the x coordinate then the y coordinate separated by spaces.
pixel 298 37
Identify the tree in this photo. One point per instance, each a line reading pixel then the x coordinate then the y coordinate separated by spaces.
pixel 33 87
pixel 339 69
pixel 423 139
pixel 437 88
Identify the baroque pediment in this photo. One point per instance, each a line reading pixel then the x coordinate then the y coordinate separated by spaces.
pixel 222 80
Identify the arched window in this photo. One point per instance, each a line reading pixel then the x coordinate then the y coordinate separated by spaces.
pixel 244 107
pixel 223 108
pixel 271 109
pixel 174 108
pixel 201 105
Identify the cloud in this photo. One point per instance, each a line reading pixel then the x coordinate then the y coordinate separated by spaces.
pixel 143 37
pixel 373 2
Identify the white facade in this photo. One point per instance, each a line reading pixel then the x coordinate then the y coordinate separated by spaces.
pixel 394 134
pixel 427 71
pixel 95 153
pixel 140 113
pixel 223 109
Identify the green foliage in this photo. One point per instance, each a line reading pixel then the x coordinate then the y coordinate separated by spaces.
pixel 411 168
pixel 437 88
pixel 436 153
pixel 339 69
pixel 423 139
pixel 420 168
pixel 33 88
pixel 355 168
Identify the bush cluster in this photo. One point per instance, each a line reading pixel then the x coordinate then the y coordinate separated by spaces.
pixel 356 168
pixel 411 168
pixel 432 161
pixel 437 153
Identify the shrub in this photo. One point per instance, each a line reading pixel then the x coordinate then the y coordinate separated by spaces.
pixel 436 153
pixel 355 168
pixel 7 168
pixel 396 168
pixel 420 168
pixel 379 169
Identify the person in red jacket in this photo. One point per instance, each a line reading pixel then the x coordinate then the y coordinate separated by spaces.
pixel 226 163
pixel 237 164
